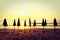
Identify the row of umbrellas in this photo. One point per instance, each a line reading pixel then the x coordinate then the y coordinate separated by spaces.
pixel 44 23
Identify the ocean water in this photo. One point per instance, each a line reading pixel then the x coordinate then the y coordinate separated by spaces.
pixel 28 27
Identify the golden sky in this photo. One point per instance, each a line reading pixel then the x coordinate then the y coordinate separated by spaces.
pixel 34 9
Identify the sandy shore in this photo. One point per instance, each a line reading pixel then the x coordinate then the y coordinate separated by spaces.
pixel 30 34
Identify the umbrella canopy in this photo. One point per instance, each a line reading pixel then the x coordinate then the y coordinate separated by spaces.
pixel 14 23
pixel 18 23
pixel 55 22
pixel 4 22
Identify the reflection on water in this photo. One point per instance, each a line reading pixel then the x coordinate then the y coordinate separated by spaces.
pixel 37 34
pixel 28 27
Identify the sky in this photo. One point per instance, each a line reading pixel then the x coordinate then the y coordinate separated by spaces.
pixel 34 9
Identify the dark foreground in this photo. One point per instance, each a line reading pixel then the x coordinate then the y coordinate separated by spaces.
pixel 38 34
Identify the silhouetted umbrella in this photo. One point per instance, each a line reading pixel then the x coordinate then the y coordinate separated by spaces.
pixel 18 24
pixel 34 24
pixel 29 22
pixel 30 26
pixel 55 24
pixel 25 23
pixel 5 24
pixel 14 24
pixel 44 23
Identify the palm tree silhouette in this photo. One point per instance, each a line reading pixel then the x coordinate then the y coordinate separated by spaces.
pixel 5 24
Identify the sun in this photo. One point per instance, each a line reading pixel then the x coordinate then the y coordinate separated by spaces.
pixel 22 13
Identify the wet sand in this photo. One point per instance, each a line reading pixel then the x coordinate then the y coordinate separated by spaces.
pixel 30 34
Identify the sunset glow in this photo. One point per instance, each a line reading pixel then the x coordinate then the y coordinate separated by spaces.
pixel 25 9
